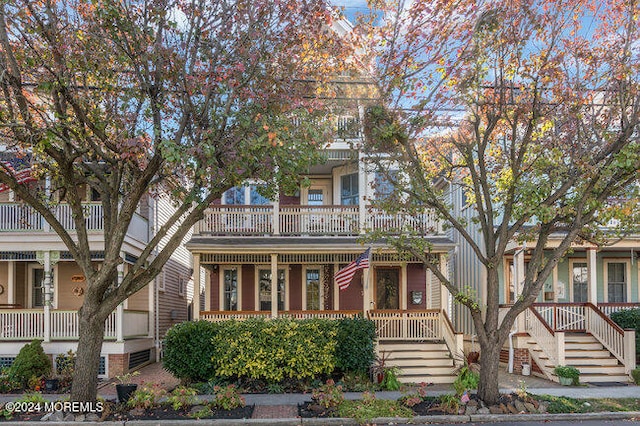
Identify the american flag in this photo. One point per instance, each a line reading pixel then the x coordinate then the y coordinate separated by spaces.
pixel 345 275
pixel 19 168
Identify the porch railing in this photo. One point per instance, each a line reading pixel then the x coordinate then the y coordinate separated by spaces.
pixel 563 317
pixel 611 307
pixel 406 325
pixel 308 220
pixel 543 334
pixel 217 316
pixel 28 324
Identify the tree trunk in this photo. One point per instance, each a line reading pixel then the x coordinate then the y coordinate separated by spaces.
pixel 488 390
pixel 85 376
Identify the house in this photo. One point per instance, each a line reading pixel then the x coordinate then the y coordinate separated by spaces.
pixel 272 258
pixel 569 324
pixel 41 287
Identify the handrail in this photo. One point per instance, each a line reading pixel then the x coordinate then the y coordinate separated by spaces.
pixel 542 320
pixel 452 339
pixel 403 311
pixel 606 318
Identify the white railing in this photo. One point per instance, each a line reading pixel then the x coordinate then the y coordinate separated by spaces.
pixel 563 317
pixel 236 219
pixel 319 314
pixel 217 316
pixel 609 308
pixel 19 217
pixel 28 324
pixel 135 323
pixel 139 228
pixel 21 324
pixel 407 325
pixel 319 220
pixel 543 335
pixel 425 223
pixel 92 212
pixel 453 340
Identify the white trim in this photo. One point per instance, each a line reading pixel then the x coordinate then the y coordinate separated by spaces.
pixel 30 268
pixel 238 269
pixel 605 273
pixel 182 289
pixel 404 295
pixel 322 184
pixel 55 297
pixel 305 268
pixel 163 279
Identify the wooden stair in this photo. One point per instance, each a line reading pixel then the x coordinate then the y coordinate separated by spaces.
pixel 588 355
pixel 429 362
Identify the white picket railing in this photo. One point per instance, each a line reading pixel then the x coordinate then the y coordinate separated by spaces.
pixel 425 223
pixel 319 220
pixel 237 219
pixel 407 324
pixel 610 307
pixel 28 324
pixel 453 340
pixel 544 336
pixel 20 217
pixel 21 324
pixel 562 317
pixel 217 316
pixel 319 314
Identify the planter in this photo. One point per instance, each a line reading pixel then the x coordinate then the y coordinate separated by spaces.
pixel 51 385
pixel 125 391
pixel 473 357
pixel 566 381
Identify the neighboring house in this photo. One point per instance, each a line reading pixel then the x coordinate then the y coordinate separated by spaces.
pixel 41 287
pixel 569 323
pixel 271 258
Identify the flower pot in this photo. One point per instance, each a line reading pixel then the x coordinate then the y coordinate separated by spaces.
pixel 473 357
pixel 566 381
pixel 125 391
pixel 51 385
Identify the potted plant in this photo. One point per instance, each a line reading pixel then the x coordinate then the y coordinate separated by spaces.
pixel 567 375
pixel 125 388
pixel 51 383
pixel 379 367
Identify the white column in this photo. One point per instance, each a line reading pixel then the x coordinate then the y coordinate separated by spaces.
pixel 196 286
pixel 336 290
pixel 47 296
pixel 274 285
pixel 444 291
pixel 151 307
pixel 11 282
pixel 592 277
pixel 362 192
pixel 276 216
pixel 403 287
pixel 366 291
pixel 120 308
pixel 518 279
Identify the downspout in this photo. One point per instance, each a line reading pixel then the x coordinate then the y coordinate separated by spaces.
pixel 511 351
pixel 156 331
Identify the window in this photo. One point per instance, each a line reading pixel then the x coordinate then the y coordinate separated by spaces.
pixel 315 197
pixel 230 289
pixel 579 278
pixel 312 287
pixel 616 282
pixel 181 286
pixel 37 289
pixel 241 195
pixel 383 186
pixel 264 289
pixel 349 190
pixel 256 198
pixel 234 195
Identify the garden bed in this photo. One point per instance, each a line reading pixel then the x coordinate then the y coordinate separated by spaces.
pixel 122 413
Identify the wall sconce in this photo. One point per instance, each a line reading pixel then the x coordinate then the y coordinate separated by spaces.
pixel 416 297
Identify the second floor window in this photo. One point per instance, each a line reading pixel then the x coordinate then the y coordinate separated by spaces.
pixel 349 190
pixel 383 184
pixel 242 195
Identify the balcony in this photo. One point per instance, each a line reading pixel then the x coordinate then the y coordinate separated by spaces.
pixel 296 220
pixel 19 217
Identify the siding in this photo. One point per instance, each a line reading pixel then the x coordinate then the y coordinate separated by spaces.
pixel 295 287
pixel 416 281
pixel 351 298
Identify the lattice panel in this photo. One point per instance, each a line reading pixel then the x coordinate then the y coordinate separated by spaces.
pixel 216 258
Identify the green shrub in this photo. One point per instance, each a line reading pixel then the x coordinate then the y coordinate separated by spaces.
pixel 355 346
pixel 275 349
pixel 629 318
pixel 30 362
pixel 182 398
pixel 227 398
pixel 328 395
pixel 147 396
pixel 188 350
pixel 369 408
pixel 635 373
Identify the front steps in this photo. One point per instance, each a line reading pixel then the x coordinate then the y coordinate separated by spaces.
pixel 588 355
pixel 428 362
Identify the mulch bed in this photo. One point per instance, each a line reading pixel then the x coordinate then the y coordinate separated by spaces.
pixel 310 409
pixel 168 413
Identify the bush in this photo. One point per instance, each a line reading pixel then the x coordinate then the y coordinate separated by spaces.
pixel 629 318
pixel 355 346
pixel 146 397
pixel 275 349
pixel 188 350
pixel 30 362
pixel 227 398
pixel 635 373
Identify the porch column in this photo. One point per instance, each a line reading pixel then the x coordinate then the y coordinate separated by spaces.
pixel 518 279
pixel 592 277
pixel 274 285
pixel 47 296
pixel 444 291
pixel 276 216
pixel 336 290
pixel 196 286
pixel 366 291
pixel 362 189
pixel 11 282
pixel 120 308
pixel 403 286
pixel 151 308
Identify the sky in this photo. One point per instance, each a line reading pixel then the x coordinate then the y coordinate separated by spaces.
pixel 352 7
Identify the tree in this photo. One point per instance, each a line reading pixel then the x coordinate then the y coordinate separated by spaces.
pixel 531 109
pixel 130 98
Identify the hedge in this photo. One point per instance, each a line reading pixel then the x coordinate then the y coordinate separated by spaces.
pixel 629 318
pixel 271 350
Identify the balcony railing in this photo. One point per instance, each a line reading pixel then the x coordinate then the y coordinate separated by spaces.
pixel 19 217
pixel 308 220
pixel 29 324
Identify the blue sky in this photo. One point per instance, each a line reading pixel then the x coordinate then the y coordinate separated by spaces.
pixel 352 7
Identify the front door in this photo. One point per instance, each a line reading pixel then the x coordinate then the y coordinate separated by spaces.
pixel 387 288
pixel 579 278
